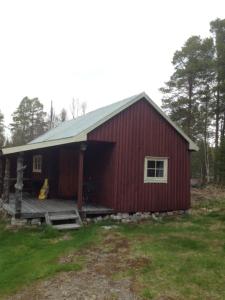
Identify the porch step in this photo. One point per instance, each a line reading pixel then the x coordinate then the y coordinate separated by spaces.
pixel 64 220
pixel 62 217
pixel 66 226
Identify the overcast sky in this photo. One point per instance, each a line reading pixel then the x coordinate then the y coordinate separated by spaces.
pixel 97 51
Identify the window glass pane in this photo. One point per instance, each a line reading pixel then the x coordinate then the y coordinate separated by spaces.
pixel 151 164
pixel 159 164
pixel 37 163
pixel 151 173
pixel 159 172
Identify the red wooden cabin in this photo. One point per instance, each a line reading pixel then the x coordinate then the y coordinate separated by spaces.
pixel 129 156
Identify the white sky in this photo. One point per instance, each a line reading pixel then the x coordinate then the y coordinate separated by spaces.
pixel 97 51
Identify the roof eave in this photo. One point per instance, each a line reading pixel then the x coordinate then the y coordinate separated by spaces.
pixel 30 147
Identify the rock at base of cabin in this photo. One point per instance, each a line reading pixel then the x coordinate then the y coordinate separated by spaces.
pixel 125 221
pixel 116 217
pixel 18 222
pixel 163 214
pixel 36 222
pixel 138 216
pixel 97 219
pixel 170 213
pixel 124 215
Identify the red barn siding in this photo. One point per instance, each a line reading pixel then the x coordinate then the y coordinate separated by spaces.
pixel 97 162
pixel 141 131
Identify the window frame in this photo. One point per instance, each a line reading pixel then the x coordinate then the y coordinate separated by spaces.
pixel 164 178
pixel 37 163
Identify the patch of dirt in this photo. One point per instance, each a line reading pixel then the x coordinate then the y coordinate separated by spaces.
pixel 98 280
pixel 165 298
pixel 65 237
pixel 207 193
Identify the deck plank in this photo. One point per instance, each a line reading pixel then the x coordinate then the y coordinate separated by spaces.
pixel 34 208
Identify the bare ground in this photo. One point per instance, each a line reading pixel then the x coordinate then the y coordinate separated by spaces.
pixel 100 278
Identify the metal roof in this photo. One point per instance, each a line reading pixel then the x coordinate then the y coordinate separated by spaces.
pixel 77 126
pixel 76 130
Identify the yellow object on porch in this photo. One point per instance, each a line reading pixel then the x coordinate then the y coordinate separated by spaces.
pixel 44 190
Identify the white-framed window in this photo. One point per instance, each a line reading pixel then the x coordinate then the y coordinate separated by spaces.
pixel 37 163
pixel 155 169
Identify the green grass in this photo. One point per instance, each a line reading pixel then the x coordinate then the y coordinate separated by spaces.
pixel 27 255
pixel 186 254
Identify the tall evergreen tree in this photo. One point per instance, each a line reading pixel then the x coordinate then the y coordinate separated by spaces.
pixel 217 28
pixel 52 118
pixel 218 31
pixel 206 79
pixel 180 98
pixel 28 121
pixel 188 96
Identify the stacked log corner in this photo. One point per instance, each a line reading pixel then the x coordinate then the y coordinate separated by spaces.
pixel 19 186
pixel 5 191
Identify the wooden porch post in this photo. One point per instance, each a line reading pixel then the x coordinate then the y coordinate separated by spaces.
pixel 19 185
pixel 80 176
pixel 1 175
pixel 5 193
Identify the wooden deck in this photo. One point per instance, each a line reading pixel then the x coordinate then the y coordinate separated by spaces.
pixel 34 208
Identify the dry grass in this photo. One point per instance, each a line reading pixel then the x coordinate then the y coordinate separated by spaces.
pixel 209 197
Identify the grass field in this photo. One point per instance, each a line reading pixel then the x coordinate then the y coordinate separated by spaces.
pixel 176 258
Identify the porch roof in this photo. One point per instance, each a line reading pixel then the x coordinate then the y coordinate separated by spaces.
pixel 76 130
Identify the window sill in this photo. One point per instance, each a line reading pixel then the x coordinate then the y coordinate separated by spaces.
pixel 155 180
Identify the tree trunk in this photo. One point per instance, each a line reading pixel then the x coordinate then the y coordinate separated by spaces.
pixel 217 111
pixel 190 94
pixel 206 152
pixel 222 132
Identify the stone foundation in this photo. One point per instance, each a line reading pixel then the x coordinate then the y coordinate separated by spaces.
pixel 138 216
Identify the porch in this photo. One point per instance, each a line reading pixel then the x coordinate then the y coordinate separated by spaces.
pixel 76 175
pixel 33 208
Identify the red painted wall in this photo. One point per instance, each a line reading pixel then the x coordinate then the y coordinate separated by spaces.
pixel 141 131
pixel 68 175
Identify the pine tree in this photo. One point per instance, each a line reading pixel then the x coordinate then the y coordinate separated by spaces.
pixel 180 98
pixel 52 118
pixel 28 121
pixel 218 31
pixel 188 96
pixel 217 28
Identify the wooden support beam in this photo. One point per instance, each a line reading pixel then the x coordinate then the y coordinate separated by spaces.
pixel 1 176
pixel 80 179
pixel 19 185
pixel 5 193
